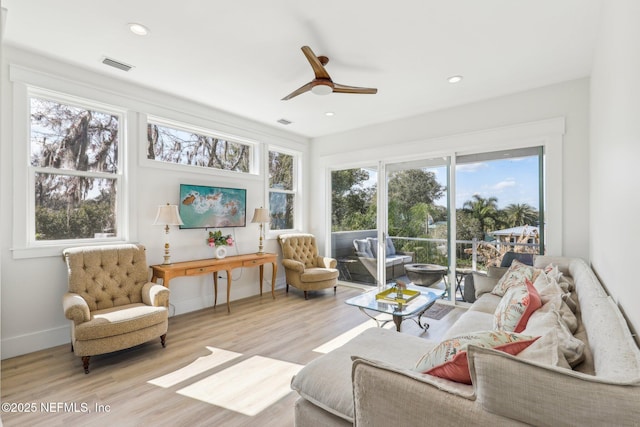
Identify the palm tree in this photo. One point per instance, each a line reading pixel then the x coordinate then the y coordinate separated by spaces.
pixel 521 214
pixel 482 209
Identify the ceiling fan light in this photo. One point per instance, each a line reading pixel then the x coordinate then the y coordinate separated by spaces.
pixel 322 89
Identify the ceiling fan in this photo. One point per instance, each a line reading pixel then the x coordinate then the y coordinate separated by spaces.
pixel 322 84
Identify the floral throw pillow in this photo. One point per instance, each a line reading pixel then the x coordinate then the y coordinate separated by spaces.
pixel 515 275
pixel 449 358
pixel 515 308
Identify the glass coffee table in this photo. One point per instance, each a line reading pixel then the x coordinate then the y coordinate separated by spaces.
pixel 414 309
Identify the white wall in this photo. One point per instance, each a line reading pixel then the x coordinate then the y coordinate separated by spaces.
pixel 615 150
pixel 400 139
pixel 32 288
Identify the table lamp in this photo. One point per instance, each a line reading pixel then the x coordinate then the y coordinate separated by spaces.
pixel 167 215
pixel 261 216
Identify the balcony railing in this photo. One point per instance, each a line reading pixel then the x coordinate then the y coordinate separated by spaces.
pixel 474 254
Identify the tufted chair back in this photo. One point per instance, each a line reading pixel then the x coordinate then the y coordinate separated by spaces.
pixel 300 247
pixel 107 277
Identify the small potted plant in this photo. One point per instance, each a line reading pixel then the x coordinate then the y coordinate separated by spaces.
pixel 220 242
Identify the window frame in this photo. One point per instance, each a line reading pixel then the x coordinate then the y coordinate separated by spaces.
pixel 547 133
pixel 295 191
pixel 33 170
pixel 254 148
pixel 28 84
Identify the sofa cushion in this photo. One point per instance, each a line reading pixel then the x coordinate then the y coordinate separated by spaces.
pixel 486 303
pixel 483 283
pixel 496 272
pixel 515 308
pixel 449 358
pixel 311 275
pixel 363 248
pixel 120 320
pixel 515 275
pixel 326 381
pixel 390 248
pixel 373 244
pixel 550 322
pixel 471 320
pixel 553 298
pixel 545 351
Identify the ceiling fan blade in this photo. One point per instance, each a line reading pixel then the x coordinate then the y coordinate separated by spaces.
pixel 300 90
pixel 318 68
pixel 338 88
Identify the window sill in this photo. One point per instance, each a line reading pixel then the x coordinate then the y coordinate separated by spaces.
pixel 55 250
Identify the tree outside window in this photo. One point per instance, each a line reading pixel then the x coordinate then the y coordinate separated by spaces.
pixel 74 159
pixel 184 147
pixel 282 190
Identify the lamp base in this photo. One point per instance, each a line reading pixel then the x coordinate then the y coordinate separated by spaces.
pixel 167 257
pixel 260 243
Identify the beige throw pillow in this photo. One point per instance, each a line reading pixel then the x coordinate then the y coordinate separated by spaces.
pixel 545 322
pixel 483 284
pixel 515 275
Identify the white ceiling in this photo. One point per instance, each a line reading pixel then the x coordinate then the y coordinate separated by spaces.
pixel 243 56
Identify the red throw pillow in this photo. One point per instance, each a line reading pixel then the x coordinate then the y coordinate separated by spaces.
pixel 449 358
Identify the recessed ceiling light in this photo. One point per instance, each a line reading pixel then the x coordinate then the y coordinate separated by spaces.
pixel 329 114
pixel 454 79
pixel 138 29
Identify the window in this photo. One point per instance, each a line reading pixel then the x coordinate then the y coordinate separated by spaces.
pixel 500 201
pixel 74 170
pixel 282 190
pixel 184 146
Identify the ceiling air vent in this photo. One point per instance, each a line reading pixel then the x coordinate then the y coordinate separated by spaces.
pixel 284 122
pixel 119 65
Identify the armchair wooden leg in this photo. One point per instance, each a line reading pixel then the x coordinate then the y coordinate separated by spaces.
pixel 287 291
pixel 162 340
pixel 334 290
pixel 305 295
pixel 85 363
pixel 71 347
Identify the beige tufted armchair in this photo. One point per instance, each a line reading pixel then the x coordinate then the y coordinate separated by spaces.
pixel 304 268
pixel 111 303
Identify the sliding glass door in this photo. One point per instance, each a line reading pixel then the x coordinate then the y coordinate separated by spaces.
pixel 417 220
pixel 431 221
pixel 354 223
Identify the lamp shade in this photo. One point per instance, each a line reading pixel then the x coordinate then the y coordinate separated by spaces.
pixel 261 215
pixel 168 215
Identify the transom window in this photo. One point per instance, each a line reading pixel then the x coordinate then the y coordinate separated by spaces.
pixel 184 146
pixel 75 170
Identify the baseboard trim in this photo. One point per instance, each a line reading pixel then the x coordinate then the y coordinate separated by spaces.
pixel 41 340
pixel 28 343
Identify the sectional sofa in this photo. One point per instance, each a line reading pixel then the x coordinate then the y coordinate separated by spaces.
pixel 582 366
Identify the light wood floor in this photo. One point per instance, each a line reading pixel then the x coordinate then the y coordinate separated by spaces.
pixel 287 328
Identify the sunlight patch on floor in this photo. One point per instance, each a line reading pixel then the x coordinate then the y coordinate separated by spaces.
pixel 247 387
pixel 198 366
pixel 351 333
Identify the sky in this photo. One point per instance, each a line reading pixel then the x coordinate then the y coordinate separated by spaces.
pixel 511 181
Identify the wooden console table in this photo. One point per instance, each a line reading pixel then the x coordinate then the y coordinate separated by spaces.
pixel 166 272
